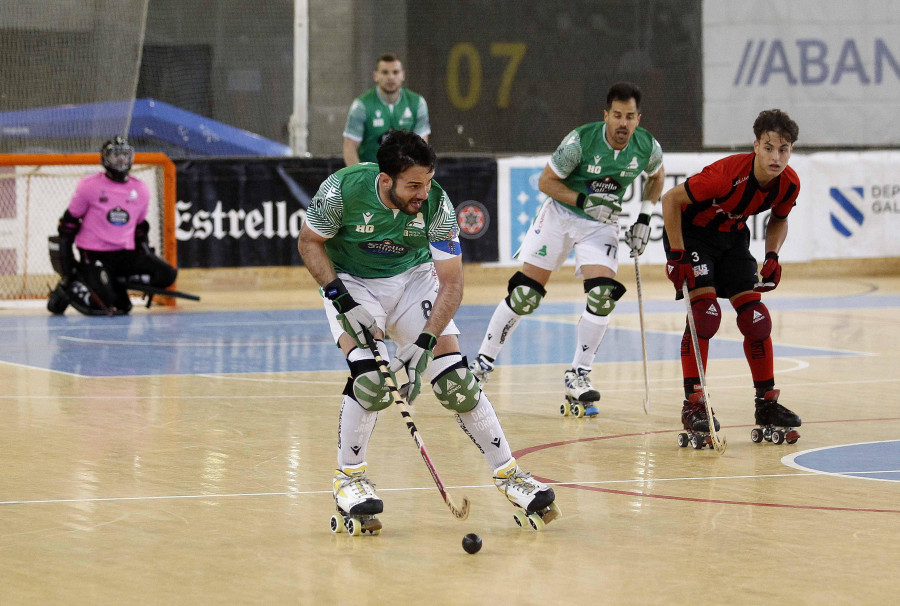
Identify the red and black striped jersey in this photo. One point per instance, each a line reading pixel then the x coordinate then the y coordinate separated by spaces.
pixel 726 192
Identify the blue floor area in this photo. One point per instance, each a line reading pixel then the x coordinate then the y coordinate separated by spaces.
pixel 874 460
pixel 296 340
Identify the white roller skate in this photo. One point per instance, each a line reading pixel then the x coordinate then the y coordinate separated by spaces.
pixel 580 394
pixel 356 501
pixel 481 368
pixel 535 499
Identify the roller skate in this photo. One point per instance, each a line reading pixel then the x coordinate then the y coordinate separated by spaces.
pixel 356 501
pixel 776 423
pixel 695 420
pixel 534 499
pixel 481 367
pixel 580 394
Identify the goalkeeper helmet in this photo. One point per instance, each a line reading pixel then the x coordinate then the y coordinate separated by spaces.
pixel 117 155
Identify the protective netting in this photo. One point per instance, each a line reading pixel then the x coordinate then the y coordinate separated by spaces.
pixel 56 54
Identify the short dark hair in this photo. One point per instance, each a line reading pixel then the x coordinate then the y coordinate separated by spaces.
pixel 623 91
pixel 777 121
pixel 402 149
pixel 386 58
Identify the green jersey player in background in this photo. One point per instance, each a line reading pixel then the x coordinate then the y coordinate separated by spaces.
pixel 382 241
pixel 584 181
pixel 380 109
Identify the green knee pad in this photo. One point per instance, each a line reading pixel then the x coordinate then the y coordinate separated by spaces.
pixel 368 386
pixel 456 388
pixel 602 294
pixel 525 294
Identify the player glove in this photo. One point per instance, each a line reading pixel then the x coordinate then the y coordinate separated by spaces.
pixel 770 274
pixel 603 207
pixel 415 358
pixel 352 317
pixel 638 235
pixel 679 268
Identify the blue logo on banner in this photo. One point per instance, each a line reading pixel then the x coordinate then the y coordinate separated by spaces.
pixel 525 200
pixel 851 211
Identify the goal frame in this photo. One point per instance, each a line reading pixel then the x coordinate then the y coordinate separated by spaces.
pixel 168 238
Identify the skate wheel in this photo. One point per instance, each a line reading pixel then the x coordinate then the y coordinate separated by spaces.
pixel 777 436
pixel 521 519
pixel 682 440
pixel 792 436
pixel 337 524
pixel 757 435
pixel 551 513
pixel 354 527
pixel 564 410
pixel 697 442
pixel 535 521
pixel 578 409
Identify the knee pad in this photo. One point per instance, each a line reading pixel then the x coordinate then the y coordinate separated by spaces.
pixel 525 294
pixel 754 321
pixel 367 385
pixel 602 294
pixel 707 315
pixel 456 387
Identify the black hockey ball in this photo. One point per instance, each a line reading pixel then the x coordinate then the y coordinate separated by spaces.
pixel 471 543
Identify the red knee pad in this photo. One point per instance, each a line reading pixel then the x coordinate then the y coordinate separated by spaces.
pixel 754 321
pixel 707 315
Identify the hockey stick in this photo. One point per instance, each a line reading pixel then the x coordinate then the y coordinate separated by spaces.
pixel 637 279
pixel 718 445
pixel 460 513
pixel 150 291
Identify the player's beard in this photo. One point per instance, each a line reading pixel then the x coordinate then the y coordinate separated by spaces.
pixel 405 206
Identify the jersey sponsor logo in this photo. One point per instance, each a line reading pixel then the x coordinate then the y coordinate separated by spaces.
pixel 473 218
pixel 605 185
pixel 118 216
pixel 407 113
pixel 133 195
pixel 633 164
pixel 386 247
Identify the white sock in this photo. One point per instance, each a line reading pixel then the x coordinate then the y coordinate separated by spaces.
pixel 590 333
pixel 482 425
pixel 354 431
pixel 500 328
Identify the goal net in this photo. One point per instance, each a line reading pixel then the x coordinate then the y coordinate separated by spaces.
pixel 36 189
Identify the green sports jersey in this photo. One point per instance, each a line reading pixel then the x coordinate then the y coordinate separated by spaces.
pixel 370 119
pixel 588 164
pixel 370 240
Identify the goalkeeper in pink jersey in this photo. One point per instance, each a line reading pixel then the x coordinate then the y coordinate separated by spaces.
pixel 106 221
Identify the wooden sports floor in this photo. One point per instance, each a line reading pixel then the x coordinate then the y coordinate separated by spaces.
pixel 184 456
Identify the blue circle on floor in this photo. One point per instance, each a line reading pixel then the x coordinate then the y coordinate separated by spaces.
pixel 867 460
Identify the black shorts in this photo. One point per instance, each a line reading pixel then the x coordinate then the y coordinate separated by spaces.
pixel 721 260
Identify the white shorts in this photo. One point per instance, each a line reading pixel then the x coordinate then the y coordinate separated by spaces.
pixel 556 231
pixel 400 304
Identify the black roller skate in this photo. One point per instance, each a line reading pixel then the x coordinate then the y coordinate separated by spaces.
pixel 776 423
pixel 696 423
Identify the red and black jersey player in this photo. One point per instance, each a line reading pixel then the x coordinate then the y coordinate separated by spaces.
pixel 707 243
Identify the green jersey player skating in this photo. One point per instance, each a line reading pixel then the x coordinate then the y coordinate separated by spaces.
pixel 584 181
pixel 382 241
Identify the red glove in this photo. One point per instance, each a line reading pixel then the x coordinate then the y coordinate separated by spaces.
pixel 679 268
pixel 770 274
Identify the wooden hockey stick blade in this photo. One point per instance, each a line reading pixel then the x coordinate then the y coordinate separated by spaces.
pixel 153 290
pixel 459 512
pixel 719 445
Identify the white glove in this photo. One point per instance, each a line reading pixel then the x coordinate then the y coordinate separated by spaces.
pixel 638 235
pixel 352 317
pixel 603 207
pixel 415 358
